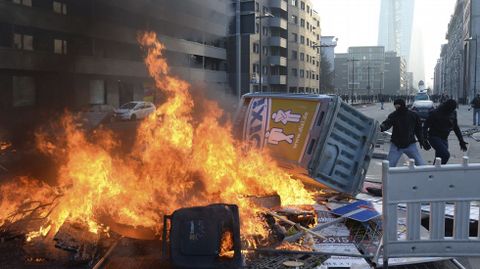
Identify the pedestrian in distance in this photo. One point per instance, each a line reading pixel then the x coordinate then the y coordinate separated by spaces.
pixel 382 100
pixel 438 126
pixel 476 110
pixel 406 125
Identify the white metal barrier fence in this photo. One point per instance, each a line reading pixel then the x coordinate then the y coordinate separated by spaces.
pixel 434 187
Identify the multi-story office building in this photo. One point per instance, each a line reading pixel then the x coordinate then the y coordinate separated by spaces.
pixel 395 27
pixel 471 33
pixel 395 74
pixel 278 52
pixel 68 53
pixel 340 81
pixel 361 71
pixel 448 77
pixel 366 69
pixel 457 73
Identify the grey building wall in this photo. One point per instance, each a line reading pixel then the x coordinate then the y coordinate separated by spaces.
pixel 458 73
pixel 471 29
pixel 74 54
pixel 341 73
pixel 366 69
pixel 395 74
pixel 449 79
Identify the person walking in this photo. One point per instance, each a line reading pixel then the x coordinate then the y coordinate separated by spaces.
pixel 476 110
pixel 406 125
pixel 438 126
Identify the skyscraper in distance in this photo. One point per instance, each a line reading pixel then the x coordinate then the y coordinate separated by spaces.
pixel 395 27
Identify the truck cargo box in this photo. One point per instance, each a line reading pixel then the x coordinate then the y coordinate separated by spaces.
pixel 317 138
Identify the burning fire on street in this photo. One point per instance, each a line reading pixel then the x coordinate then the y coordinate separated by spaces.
pixel 180 159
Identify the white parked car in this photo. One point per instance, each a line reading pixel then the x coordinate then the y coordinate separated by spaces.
pixel 134 110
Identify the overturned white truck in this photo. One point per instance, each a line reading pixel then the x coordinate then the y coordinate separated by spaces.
pixel 318 138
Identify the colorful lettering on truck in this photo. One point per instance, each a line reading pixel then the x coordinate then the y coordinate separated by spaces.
pixel 281 125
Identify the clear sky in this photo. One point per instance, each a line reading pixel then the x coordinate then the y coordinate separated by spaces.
pixel 355 23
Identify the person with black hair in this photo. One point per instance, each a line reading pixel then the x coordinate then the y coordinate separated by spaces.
pixel 406 125
pixel 438 126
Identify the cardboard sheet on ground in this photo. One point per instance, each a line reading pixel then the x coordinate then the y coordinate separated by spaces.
pixel 341 261
pixel 366 211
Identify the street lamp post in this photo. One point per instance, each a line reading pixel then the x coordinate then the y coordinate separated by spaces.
pixel 260 31
pixel 475 68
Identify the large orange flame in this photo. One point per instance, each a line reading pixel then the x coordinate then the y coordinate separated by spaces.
pixel 176 163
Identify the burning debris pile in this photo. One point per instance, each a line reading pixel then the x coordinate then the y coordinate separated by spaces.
pixel 179 160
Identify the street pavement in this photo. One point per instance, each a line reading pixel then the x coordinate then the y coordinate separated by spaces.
pixel 464 121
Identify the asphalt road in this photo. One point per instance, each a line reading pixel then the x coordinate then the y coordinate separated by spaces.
pixel 464 121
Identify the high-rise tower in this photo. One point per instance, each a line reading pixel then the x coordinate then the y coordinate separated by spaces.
pixel 395 27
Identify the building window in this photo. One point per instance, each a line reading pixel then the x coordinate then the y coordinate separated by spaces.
pixel 302 5
pixel 22 41
pixel 265 70
pixel 294 19
pixel 23 91
pixel 302 23
pixel 308 58
pixel 256 48
pixel 265 50
pixel 257 28
pixel 302 39
pixel 265 30
pixel 294 54
pixel 60 46
pixel 97 92
pixel 27 3
pixel 302 73
pixel 302 56
pixel 257 7
pixel 308 41
pixel 308 74
pixel 294 3
pixel 308 9
pixel 294 72
pixel 255 68
pixel 265 10
pixel 59 7
pixel 308 25
pixel 294 37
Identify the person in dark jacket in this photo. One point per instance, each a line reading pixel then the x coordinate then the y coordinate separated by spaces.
pixel 476 110
pixel 438 126
pixel 406 125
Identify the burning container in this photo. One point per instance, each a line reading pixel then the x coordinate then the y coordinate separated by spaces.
pixel 317 138
pixel 204 237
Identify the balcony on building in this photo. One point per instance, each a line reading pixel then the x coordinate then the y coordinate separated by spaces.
pixel 278 79
pixel 279 23
pixel 278 41
pixel 280 4
pixel 278 60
